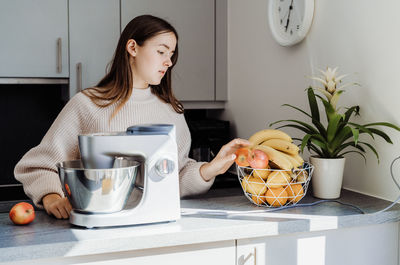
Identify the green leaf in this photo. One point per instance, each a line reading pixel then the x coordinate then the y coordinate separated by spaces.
pixel 345 145
pixel 294 126
pixel 381 134
pixel 333 126
pixel 365 159
pixel 387 124
pixel 320 127
pixel 347 116
pixel 340 137
pixel 319 143
pixel 315 149
pixel 362 128
pixel 296 108
pixel 350 111
pixel 330 111
pixel 355 135
pixel 313 104
pixel 304 142
pixel 373 150
pixel 306 125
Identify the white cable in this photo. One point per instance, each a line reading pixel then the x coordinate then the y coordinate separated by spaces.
pixel 397 184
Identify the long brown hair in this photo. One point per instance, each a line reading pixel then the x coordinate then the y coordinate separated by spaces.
pixel 116 85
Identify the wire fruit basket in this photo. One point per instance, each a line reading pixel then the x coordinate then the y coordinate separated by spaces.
pixel 275 187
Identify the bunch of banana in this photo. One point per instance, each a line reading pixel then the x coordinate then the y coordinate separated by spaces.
pixel 279 148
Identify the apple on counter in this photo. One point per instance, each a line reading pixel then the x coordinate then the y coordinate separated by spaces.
pixel 22 213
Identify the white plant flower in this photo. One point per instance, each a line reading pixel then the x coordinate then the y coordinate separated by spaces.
pixel 331 84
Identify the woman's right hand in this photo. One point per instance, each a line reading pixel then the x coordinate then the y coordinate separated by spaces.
pixel 55 205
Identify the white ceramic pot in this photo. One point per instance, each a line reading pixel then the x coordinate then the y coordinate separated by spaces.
pixel 327 177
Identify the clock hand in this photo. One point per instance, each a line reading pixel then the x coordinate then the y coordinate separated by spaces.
pixel 282 18
pixel 287 21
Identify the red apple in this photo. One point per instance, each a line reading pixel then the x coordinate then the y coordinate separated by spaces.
pixel 241 157
pixel 22 213
pixel 258 159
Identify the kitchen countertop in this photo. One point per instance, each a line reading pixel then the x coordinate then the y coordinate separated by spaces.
pixel 219 215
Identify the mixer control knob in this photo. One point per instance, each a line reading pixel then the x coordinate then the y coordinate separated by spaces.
pixel 165 166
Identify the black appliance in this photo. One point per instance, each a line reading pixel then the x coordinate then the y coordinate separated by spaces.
pixel 208 136
pixel 27 112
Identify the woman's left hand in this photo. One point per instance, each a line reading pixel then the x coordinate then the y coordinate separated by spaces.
pixel 223 160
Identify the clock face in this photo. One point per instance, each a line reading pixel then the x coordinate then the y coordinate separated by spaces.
pixel 290 20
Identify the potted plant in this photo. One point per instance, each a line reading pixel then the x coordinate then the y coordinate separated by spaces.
pixel 328 140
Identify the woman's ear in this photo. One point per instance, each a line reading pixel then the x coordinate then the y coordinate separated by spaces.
pixel 131 47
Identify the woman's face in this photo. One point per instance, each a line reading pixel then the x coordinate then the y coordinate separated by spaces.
pixel 152 60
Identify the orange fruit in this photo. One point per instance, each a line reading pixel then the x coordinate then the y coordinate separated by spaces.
pixel 262 173
pixel 278 179
pixel 244 182
pixel 259 200
pixel 254 185
pixel 276 197
pixel 300 176
pixel 295 192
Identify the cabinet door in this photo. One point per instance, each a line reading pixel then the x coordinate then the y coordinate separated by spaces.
pixel 34 38
pixel 194 74
pixel 94 31
pixel 373 244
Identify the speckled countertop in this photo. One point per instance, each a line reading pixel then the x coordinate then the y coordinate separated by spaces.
pixel 216 216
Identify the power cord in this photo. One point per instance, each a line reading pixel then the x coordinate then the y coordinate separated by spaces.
pixel 314 203
pixel 397 184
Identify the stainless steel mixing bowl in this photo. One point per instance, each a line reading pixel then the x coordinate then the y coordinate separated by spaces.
pixel 98 190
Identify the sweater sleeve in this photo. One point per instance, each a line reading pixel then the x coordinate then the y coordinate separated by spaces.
pixel 37 169
pixel 190 180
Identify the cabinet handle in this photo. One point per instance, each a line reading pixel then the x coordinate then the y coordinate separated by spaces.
pixel 254 254
pixel 59 56
pixel 79 77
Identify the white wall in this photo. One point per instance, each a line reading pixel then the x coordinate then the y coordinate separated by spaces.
pixel 361 37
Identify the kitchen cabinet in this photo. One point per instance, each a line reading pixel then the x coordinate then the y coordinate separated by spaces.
pixel 34 38
pixel 221 253
pixel 193 76
pixel 217 228
pixel 94 27
pixel 374 244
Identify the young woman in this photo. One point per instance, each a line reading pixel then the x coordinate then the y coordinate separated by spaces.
pixel 136 90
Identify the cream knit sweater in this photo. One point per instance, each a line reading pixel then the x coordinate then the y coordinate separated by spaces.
pixel 37 169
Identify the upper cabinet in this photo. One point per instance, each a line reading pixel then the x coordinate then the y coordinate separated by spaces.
pixel 34 38
pixel 193 77
pixel 94 27
pixel 76 39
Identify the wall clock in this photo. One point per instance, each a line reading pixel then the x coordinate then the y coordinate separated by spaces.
pixel 290 20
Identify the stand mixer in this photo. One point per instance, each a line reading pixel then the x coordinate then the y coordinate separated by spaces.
pixel 124 178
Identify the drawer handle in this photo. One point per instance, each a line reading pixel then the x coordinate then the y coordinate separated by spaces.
pixel 59 55
pixel 254 254
pixel 79 77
